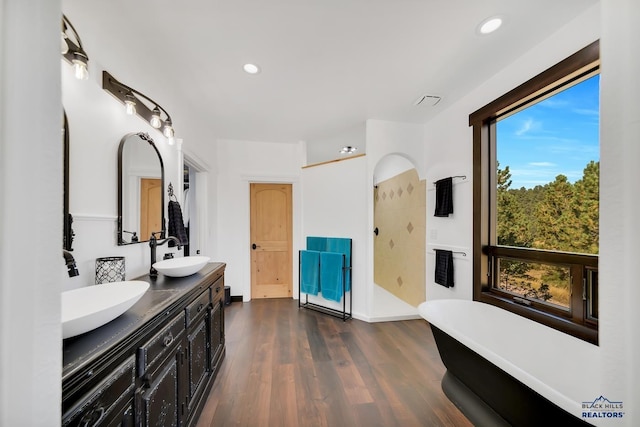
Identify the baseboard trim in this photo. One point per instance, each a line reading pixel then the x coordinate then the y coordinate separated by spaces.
pixel 236 298
pixel 376 319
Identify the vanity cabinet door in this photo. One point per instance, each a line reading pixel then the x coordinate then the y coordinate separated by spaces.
pixel 217 333
pixel 161 362
pixel 160 403
pixel 216 326
pixel 108 403
pixel 198 357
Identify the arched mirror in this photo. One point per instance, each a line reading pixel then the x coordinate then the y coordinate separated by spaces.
pixel 140 189
pixel 67 238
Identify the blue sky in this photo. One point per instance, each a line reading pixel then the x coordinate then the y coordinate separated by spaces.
pixel 559 135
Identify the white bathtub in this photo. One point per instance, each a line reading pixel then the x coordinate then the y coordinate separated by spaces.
pixel 537 356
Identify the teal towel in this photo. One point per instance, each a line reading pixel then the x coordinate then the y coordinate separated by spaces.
pixel 316 243
pixel 331 275
pixel 310 272
pixel 343 246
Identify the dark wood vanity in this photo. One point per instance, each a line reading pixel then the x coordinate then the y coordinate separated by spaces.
pixel 155 364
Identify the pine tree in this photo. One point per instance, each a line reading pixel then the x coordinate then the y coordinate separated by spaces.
pixel 557 225
pixel 586 208
pixel 512 222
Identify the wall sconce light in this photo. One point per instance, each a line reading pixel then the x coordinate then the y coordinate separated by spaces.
pixel 140 104
pixel 73 51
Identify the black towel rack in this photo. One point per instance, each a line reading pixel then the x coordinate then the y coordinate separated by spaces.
pixel 454 252
pixel 346 272
pixel 463 177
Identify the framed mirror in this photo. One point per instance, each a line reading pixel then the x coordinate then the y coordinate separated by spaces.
pixel 140 189
pixel 67 237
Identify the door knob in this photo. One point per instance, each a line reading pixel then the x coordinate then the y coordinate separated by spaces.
pixel 254 246
pixel 376 231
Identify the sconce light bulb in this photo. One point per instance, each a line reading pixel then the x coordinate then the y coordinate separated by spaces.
pixel 168 132
pixel 80 69
pixel 155 119
pixel 64 46
pixel 171 140
pixel 130 107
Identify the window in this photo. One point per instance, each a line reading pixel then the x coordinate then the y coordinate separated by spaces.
pixel 536 197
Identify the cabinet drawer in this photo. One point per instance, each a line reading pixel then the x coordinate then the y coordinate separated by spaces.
pixel 154 349
pixel 198 307
pixel 98 406
pixel 217 290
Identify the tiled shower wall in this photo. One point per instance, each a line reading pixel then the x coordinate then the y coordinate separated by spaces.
pixel 399 248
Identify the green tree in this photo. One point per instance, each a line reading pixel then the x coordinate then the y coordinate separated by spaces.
pixel 557 225
pixel 512 222
pixel 586 208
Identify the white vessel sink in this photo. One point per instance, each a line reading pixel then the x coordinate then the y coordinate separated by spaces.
pixel 181 267
pixel 87 308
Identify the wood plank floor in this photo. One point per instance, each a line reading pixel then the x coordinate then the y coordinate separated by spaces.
pixel 296 367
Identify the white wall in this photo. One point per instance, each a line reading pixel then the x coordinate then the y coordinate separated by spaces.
pixel 202 155
pixel 239 164
pixel 97 123
pixel 616 377
pixel 335 205
pixel 619 206
pixel 328 148
pixel 386 140
pixel 448 148
pixel 31 263
pixel 405 139
pixel 390 166
pixel 35 82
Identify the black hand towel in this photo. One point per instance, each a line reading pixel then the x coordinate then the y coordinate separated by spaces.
pixel 444 268
pixel 444 197
pixel 176 224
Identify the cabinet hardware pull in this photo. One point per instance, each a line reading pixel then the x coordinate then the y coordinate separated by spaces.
pixel 168 339
pixel 87 418
pixel 200 307
pixel 218 289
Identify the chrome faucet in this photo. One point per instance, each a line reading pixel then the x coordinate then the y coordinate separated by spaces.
pixel 71 263
pixel 153 244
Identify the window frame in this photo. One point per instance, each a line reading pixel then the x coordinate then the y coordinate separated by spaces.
pixel 575 321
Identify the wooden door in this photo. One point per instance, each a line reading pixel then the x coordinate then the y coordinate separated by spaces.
pixel 271 241
pixel 150 207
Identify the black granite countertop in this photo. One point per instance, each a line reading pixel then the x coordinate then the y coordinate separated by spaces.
pixel 162 298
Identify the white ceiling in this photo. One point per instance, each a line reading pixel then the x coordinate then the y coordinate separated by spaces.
pixel 327 65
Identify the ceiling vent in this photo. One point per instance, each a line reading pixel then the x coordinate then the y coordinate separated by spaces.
pixel 427 100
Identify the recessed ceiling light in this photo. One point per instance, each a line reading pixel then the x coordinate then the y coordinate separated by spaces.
pixel 251 68
pixel 348 150
pixel 490 25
